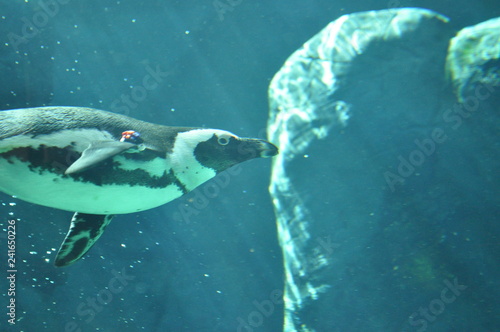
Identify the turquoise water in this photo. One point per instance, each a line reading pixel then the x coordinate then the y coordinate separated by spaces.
pixel 381 259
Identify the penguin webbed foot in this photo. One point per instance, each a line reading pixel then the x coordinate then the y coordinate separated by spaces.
pixel 84 231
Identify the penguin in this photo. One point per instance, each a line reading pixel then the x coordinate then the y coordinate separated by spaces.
pixel 100 164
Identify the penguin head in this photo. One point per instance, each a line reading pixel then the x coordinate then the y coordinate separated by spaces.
pixel 219 149
pixel 199 154
pixel 223 149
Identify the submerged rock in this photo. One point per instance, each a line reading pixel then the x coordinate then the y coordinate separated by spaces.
pixel 363 116
pixel 474 58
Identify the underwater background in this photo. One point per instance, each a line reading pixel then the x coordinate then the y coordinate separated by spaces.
pixel 231 266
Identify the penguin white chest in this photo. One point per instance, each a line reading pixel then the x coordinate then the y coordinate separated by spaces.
pixel 32 168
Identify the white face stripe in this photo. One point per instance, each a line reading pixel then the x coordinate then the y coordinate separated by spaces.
pixel 186 168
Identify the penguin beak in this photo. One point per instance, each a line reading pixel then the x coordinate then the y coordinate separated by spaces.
pixel 262 147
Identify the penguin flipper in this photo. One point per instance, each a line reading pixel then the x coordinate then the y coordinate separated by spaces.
pixel 84 231
pixel 96 152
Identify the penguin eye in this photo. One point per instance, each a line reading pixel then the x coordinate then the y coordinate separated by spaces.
pixel 223 140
